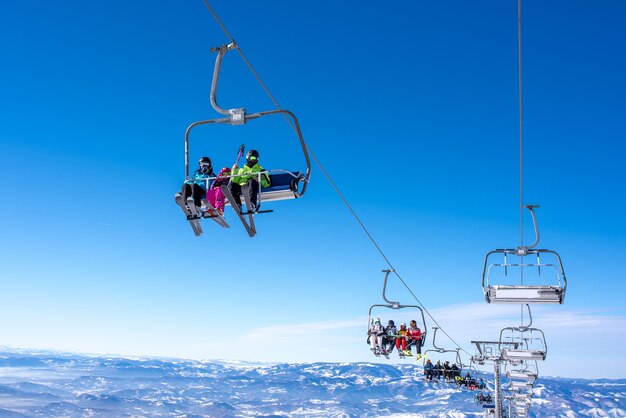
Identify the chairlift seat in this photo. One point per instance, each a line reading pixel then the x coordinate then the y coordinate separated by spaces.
pixel 522 385
pixel 524 294
pixel 522 374
pixel 283 186
pixel 519 354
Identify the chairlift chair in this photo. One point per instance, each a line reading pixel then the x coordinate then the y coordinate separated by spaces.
pixel 526 401
pixel 521 397
pixel 520 385
pixel 533 345
pixel 552 291
pixel 397 306
pixel 441 350
pixel 532 342
pixel 285 184
pixel 525 371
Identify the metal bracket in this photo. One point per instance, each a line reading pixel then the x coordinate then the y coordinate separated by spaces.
pixel 394 305
pixel 522 250
pixel 237 115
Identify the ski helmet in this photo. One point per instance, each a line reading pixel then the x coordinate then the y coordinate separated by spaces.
pixel 252 157
pixel 377 321
pixel 205 164
pixel 224 171
pixel 390 322
pixel 403 325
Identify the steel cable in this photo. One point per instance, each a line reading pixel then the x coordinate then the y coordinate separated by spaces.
pixel 329 178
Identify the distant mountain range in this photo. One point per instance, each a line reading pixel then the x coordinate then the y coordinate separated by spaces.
pixel 38 385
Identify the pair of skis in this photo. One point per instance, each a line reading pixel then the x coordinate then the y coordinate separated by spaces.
pixel 378 352
pixel 250 212
pixel 194 214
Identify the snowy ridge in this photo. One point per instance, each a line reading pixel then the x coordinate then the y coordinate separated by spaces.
pixel 34 385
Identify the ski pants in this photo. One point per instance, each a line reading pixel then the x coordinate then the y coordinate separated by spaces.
pixel 417 344
pixel 376 340
pixel 193 190
pixel 401 344
pixel 252 184
pixel 389 343
pixel 215 196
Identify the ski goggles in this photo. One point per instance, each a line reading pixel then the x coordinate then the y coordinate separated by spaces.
pixel 252 158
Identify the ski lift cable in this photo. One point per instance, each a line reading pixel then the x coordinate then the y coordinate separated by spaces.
pixel 519 87
pixel 329 178
pixel 521 159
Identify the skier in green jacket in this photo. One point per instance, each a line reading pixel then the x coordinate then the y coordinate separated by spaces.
pixel 248 175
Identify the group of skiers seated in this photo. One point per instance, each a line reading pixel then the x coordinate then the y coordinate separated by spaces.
pixel 437 371
pixel 204 184
pixel 482 398
pixel 451 374
pixel 382 339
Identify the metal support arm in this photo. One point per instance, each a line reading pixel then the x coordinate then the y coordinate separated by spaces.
pixel 522 250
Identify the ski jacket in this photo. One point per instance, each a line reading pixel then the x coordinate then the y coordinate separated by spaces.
pixel 200 179
pixel 243 174
pixel 391 331
pixel 376 330
pixel 428 366
pixel 414 333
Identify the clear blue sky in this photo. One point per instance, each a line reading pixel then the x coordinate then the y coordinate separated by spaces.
pixel 412 108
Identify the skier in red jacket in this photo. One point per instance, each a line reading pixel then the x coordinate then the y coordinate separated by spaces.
pixel 414 338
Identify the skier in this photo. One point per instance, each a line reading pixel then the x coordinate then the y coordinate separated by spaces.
pixel 376 333
pixel 215 196
pixel 454 372
pixel 196 186
pixel 389 340
pixel 446 371
pixel 469 382
pixel 414 338
pixel 401 340
pixel 247 176
pixel 438 369
pixel 428 370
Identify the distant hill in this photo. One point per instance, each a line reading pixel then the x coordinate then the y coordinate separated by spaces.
pixel 36 385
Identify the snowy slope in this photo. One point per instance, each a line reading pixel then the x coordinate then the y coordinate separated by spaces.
pixel 68 385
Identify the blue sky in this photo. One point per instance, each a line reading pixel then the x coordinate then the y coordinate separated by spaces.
pixel 412 108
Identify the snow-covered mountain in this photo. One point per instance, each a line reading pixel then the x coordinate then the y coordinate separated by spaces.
pixel 38 385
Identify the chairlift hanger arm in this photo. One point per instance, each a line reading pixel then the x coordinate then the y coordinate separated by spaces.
pixel 441 349
pixel 385 289
pixel 522 250
pixel 530 317
pixel 221 51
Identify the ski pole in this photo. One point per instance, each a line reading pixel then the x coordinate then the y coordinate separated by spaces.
pixel 242 148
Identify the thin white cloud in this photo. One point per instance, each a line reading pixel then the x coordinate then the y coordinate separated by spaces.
pixel 311 330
